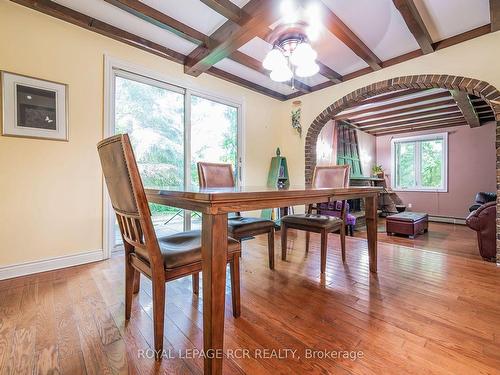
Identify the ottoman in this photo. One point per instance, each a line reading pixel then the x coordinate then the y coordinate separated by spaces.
pixel 408 223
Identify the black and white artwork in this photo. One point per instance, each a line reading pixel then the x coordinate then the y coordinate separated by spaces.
pixel 33 108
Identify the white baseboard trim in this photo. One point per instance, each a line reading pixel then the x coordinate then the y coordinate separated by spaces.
pixel 28 268
pixel 449 220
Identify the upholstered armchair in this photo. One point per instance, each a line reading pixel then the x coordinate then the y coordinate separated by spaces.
pixel 482 198
pixel 483 221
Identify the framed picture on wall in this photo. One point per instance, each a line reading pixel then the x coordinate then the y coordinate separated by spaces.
pixel 34 108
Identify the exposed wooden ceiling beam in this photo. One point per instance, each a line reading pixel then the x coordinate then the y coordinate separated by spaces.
pixel 71 16
pixel 486 112
pixel 429 119
pixel 335 25
pixel 352 115
pixel 390 95
pixel 415 24
pixel 482 106
pixel 409 116
pixel 402 58
pixel 225 8
pixel 466 107
pixel 495 15
pixel 231 36
pixel 420 128
pixel 468 35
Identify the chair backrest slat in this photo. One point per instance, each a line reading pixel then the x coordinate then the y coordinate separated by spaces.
pixel 331 176
pixel 215 175
pixel 127 194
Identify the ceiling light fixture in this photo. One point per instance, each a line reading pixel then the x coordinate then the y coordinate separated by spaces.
pixel 292 54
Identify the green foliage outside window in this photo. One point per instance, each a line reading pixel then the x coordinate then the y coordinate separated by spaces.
pixel 154 119
pixel 419 164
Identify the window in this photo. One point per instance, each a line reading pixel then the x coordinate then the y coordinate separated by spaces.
pixel 420 163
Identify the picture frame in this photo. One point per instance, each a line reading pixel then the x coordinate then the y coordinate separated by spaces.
pixel 34 108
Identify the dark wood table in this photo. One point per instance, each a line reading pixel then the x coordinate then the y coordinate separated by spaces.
pixel 215 204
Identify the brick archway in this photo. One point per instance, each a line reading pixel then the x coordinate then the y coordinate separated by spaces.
pixel 472 86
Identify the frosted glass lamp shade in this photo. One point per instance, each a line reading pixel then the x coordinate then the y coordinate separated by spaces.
pixel 307 70
pixel 274 60
pixel 281 74
pixel 303 55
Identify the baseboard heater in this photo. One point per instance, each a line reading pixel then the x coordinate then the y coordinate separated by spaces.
pixel 447 219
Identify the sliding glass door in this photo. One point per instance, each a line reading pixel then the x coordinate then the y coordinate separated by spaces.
pixel 214 138
pixel 171 129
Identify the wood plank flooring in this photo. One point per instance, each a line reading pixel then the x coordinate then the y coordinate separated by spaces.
pixel 445 238
pixel 424 313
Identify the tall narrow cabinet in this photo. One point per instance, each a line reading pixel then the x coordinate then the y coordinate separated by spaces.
pixel 277 178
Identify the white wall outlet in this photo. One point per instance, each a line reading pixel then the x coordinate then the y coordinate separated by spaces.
pixel 409 205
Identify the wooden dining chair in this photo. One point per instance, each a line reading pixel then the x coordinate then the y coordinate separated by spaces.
pixel 220 175
pixel 335 176
pixel 161 259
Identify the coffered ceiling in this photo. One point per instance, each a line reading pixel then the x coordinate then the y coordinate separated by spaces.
pixel 229 39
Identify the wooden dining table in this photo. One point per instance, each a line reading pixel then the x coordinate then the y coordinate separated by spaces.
pixel 214 205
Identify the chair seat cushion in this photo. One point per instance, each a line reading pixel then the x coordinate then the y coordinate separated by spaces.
pixel 312 220
pixel 184 248
pixel 238 225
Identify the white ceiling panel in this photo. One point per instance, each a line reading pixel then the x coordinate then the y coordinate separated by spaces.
pixel 240 3
pixel 190 12
pixel 335 54
pixel 446 18
pixel 110 14
pixel 378 24
pixel 256 48
pixel 253 76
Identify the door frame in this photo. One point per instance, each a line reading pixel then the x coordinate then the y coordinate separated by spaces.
pixel 112 65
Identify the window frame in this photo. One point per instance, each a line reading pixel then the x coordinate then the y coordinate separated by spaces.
pixel 418 162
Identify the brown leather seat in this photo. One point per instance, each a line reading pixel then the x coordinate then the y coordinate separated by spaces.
pixel 238 225
pixel 319 221
pixel 184 248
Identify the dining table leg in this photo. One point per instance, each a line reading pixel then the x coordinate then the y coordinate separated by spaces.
pixel 371 228
pixel 214 260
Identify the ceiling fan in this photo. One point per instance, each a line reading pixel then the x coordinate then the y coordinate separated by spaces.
pixel 292 54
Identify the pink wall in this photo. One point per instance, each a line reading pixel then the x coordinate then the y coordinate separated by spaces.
pixel 367 151
pixel 471 168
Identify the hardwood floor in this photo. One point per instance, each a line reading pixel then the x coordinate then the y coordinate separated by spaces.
pixel 424 313
pixel 445 238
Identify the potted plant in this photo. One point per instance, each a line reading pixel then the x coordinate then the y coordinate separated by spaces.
pixel 378 171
